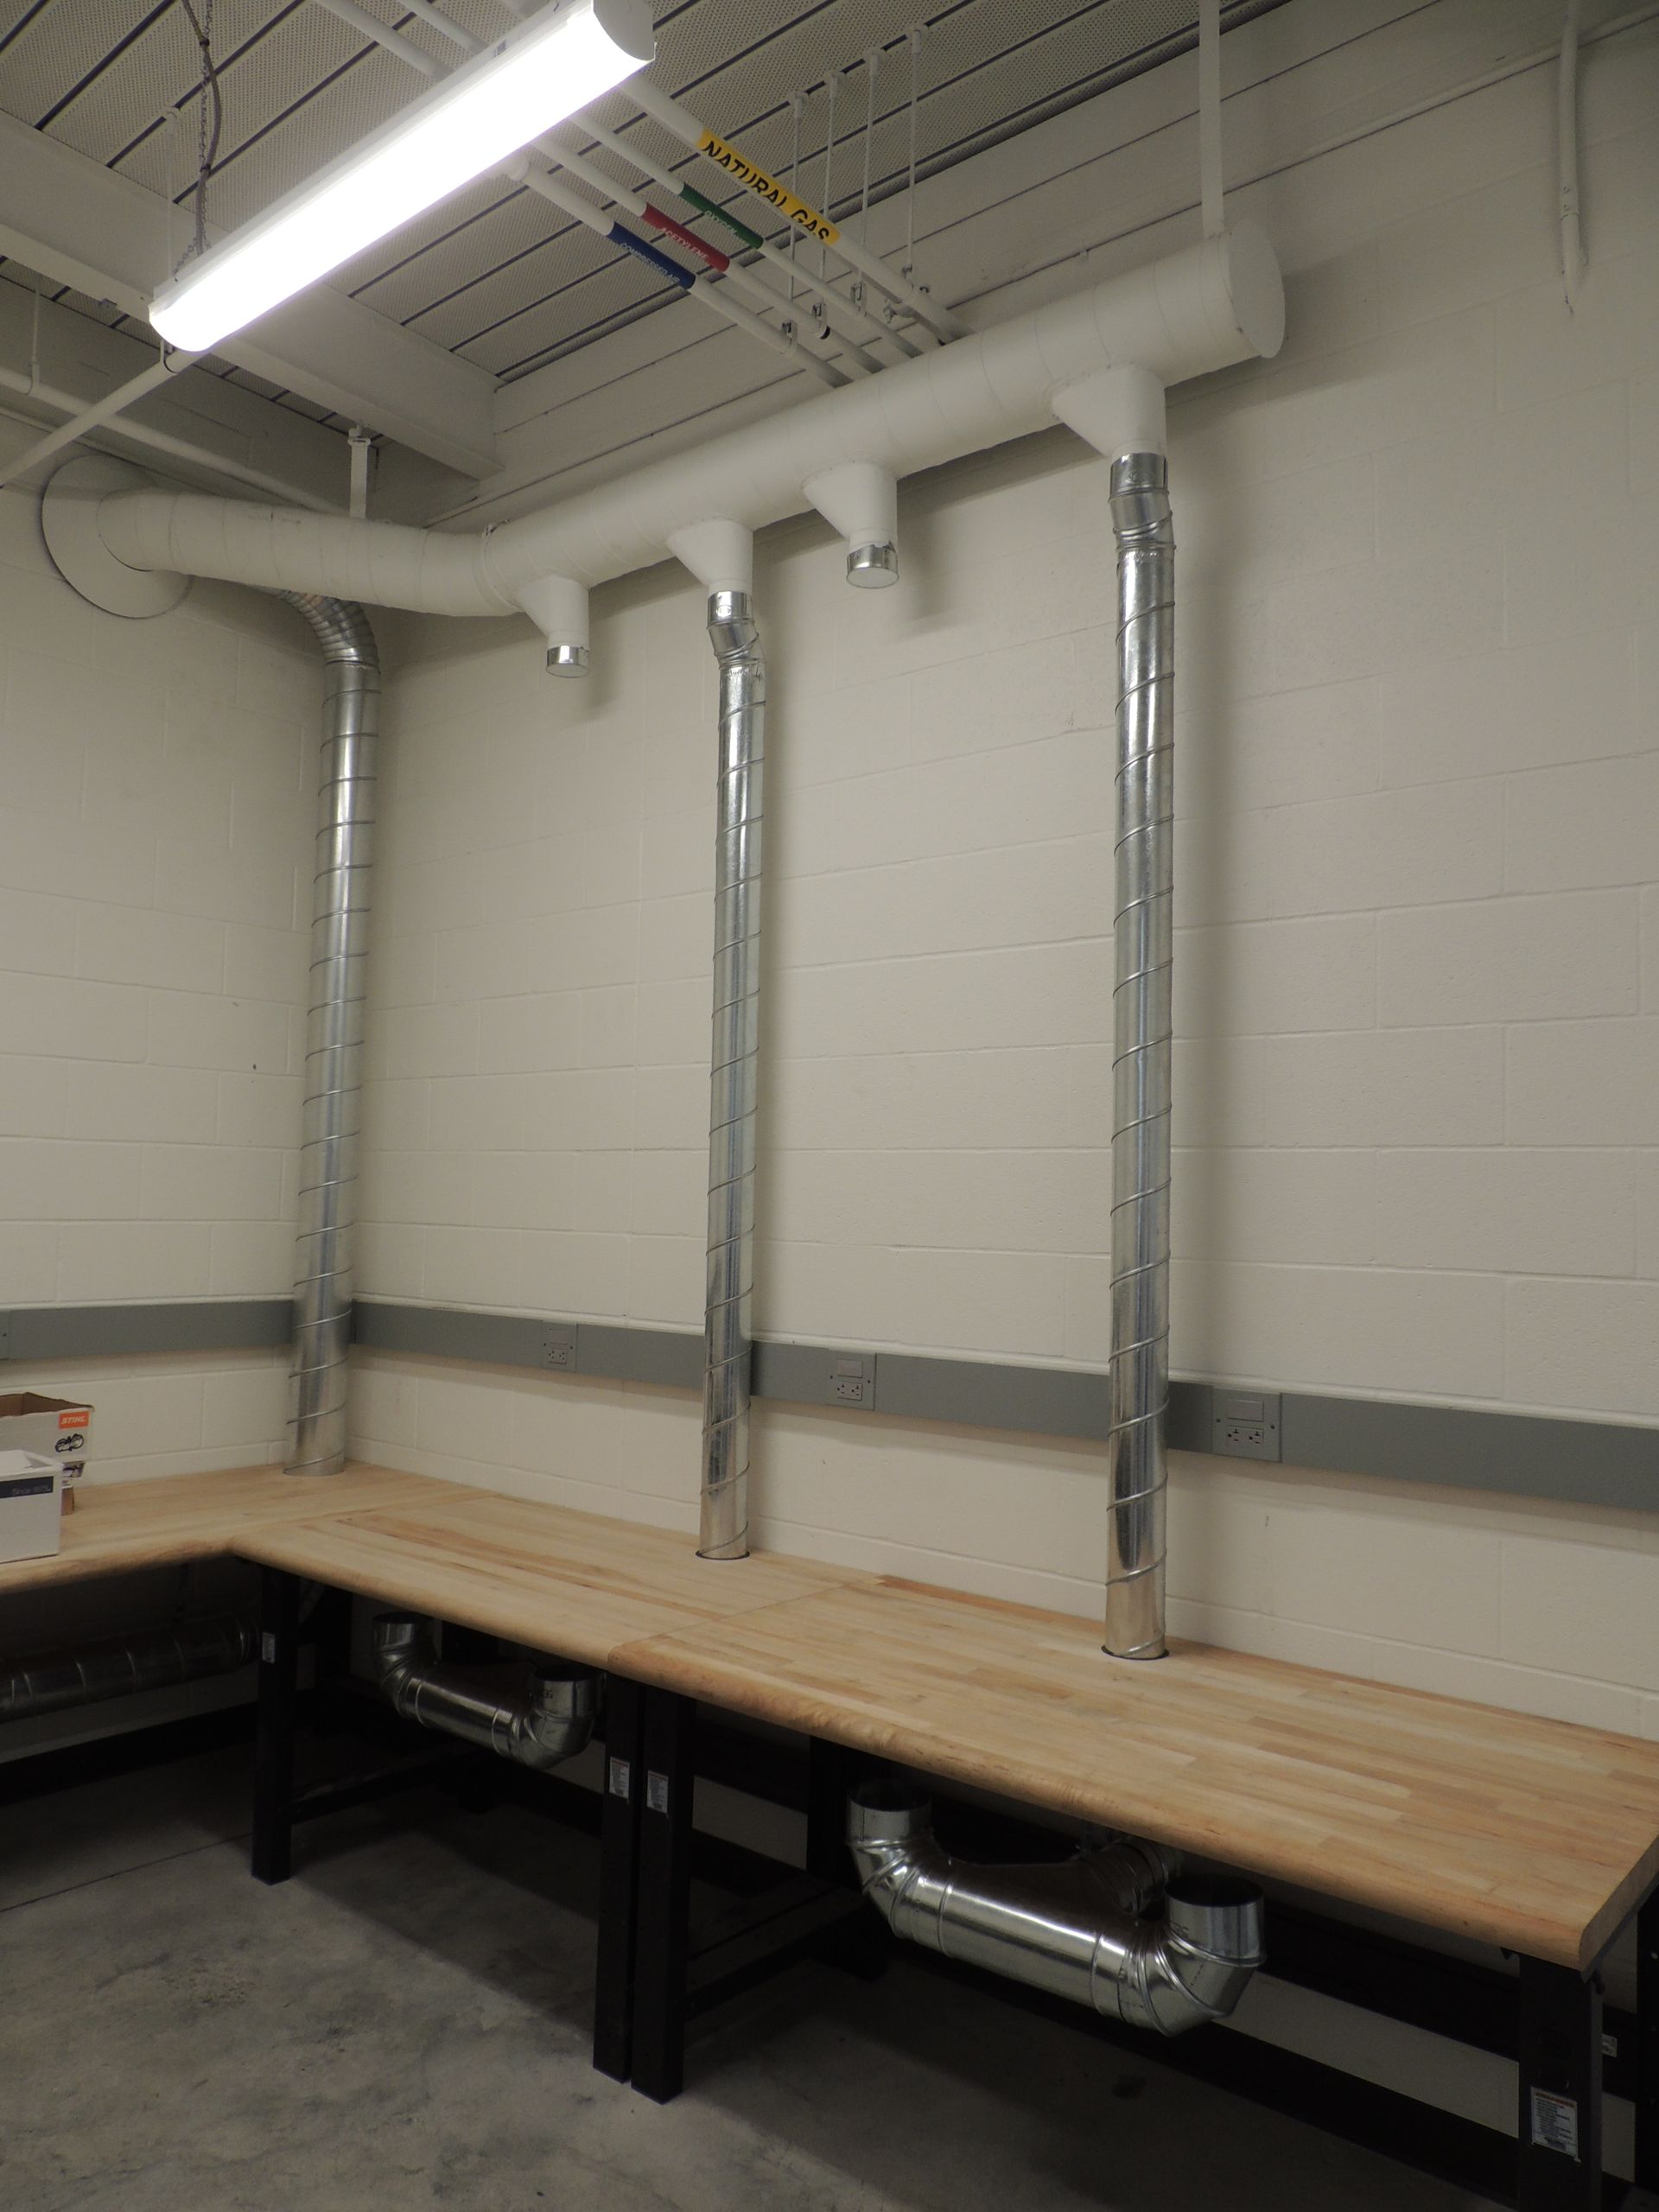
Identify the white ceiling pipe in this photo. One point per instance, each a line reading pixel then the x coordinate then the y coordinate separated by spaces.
pixel 1210 305
pixel 93 416
pixel 1120 410
pixel 679 121
pixel 860 500
pixel 162 441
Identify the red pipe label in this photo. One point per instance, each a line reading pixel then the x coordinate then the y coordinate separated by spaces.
pixel 711 254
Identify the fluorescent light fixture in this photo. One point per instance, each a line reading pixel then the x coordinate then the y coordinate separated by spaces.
pixel 536 77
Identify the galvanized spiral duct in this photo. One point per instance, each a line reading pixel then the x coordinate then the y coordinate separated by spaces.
pixel 334 1039
pixel 1137 1475
pixel 728 1341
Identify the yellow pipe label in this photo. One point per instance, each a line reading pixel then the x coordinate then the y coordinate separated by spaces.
pixel 767 187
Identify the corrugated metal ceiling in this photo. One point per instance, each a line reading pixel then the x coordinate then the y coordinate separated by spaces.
pixel 496 275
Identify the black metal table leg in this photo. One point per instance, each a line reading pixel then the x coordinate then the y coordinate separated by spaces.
pixel 619 1877
pixel 663 1895
pixel 1560 2132
pixel 1647 2045
pixel 828 1767
pixel 273 1761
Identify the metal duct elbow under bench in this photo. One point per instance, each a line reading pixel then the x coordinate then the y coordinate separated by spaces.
pixel 1537 1837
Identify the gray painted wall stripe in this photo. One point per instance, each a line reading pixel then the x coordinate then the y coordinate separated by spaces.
pixel 1528 1455
pixel 103 1332
pixel 1531 1455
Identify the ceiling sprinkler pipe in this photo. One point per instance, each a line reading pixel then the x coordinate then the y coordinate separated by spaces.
pixel 861 500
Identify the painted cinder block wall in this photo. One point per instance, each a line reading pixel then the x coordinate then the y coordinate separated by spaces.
pixel 1418 1006
pixel 158 796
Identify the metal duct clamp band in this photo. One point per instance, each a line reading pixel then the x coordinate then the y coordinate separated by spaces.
pixel 549 1720
pixel 1077 1929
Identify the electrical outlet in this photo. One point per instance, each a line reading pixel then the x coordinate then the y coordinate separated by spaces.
pixel 559 1351
pixel 852 1380
pixel 1246 1424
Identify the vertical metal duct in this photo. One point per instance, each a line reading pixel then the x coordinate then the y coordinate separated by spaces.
pixel 728 1344
pixel 1137 1474
pixel 334 1039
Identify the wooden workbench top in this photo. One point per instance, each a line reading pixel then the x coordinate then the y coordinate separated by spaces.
pixel 1533 1835
pixel 579 1584
pixel 118 1527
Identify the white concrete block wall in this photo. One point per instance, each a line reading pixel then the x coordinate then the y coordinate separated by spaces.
pixel 1418 999
pixel 157 808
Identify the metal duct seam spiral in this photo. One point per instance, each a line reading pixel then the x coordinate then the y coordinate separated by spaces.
pixel 1077 1929
pixel 549 1721
pixel 1142 1025
pixel 334 1040
pixel 733 1072
pixel 148 1659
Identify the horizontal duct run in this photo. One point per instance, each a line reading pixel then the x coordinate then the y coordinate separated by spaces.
pixel 148 1659
pixel 538 1713
pixel 1204 308
pixel 1079 1930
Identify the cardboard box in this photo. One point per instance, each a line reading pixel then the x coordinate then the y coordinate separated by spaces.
pixel 60 1429
pixel 31 1519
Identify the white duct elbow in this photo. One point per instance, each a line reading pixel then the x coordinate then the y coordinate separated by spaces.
pixel 558 607
pixel 548 1719
pixel 1078 1930
pixel 860 499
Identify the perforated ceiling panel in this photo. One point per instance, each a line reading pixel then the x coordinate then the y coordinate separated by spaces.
pixel 496 275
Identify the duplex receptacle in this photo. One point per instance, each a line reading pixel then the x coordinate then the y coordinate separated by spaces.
pixel 1245 1424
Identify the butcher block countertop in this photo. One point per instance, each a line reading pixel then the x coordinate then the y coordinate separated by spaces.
pixel 121 1527
pixel 1533 1835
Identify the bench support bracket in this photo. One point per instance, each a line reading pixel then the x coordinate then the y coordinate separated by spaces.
pixel 1560 2118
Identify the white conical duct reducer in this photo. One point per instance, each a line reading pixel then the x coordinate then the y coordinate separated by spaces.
pixel 1202 309
pixel 861 500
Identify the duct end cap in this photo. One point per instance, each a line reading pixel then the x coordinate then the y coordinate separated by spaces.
pixel 873 567
pixel 69 509
pixel 568 660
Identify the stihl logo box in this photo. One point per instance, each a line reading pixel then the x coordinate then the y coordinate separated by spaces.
pixel 60 1429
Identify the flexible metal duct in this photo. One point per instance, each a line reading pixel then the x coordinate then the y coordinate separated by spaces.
pixel 1075 1930
pixel 334 1039
pixel 1137 1474
pixel 548 1719
pixel 149 1659
pixel 733 1074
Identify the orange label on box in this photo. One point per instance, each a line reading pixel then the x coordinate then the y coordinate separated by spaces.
pixel 77 1420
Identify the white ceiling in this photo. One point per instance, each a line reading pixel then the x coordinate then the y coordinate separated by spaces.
pixel 497 276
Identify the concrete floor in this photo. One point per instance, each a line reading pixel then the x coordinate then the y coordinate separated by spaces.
pixel 406 2026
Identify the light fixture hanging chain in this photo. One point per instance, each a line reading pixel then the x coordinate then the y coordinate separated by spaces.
pixel 913 40
pixel 210 117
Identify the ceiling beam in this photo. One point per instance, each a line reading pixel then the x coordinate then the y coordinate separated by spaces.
pixel 79 223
